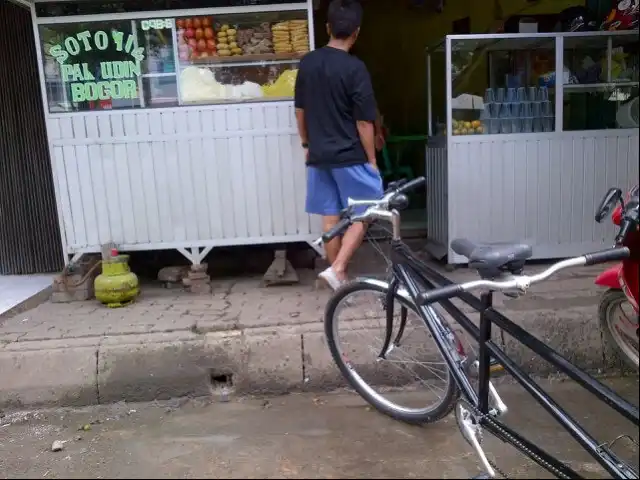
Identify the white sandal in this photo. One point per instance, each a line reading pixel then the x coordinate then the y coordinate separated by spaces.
pixel 331 279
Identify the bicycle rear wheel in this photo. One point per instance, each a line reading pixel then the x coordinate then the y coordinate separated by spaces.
pixel 379 391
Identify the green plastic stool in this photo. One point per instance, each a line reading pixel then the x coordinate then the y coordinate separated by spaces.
pixel 394 170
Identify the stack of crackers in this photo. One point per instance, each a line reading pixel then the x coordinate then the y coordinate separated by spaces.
pixel 290 36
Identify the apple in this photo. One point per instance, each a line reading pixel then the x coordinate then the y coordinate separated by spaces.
pixel 206 22
pixel 193 43
pixel 208 33
pixel 189 33
pixel 199 33
pixel 188 23
pixel 202 45
pixel 197 23
pixel 180 23
pixel 204 54
pixel 211 44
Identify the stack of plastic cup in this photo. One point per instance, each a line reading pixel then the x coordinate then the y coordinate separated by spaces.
pixel 542 116
pixel 526 116
pixel 517 110
pixel 488 114
pixel 505 118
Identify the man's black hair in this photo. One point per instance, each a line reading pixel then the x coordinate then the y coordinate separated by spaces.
pixel 344 18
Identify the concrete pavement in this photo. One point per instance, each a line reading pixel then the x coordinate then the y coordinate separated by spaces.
pixel 297 436
pixel 262 340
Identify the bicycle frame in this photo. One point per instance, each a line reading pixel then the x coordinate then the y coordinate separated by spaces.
pixel 407 268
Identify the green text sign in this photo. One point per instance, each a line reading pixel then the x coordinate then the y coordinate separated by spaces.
pixel 116 80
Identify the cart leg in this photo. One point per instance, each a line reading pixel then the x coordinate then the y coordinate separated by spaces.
pixel 75 282
pixel 319 249
pixel 280 272
pixel 197 280
pixel 75 258
pixel 450 267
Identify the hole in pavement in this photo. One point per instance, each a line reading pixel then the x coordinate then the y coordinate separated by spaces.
pixel 219 380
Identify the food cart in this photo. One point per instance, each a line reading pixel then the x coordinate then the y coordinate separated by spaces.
pixel 173 127
pixel 515 156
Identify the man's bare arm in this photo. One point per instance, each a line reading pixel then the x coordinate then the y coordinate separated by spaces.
pixel 366 131
pixel 378 122
pixel 302 125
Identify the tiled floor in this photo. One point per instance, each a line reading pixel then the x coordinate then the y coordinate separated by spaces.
pixel 15 289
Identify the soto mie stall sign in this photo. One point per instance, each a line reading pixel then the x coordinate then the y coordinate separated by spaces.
pixel 116 79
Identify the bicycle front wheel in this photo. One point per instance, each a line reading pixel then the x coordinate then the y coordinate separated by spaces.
pixel 412 382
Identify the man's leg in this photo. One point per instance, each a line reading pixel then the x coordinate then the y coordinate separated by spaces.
pixel 350 242
pixel 333 247
pixel 323 198
pixel 360 182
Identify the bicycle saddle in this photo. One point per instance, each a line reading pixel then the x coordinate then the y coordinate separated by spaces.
pixel 493 259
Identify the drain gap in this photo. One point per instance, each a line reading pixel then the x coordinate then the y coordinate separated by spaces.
pixel 218 380
pixel 304 367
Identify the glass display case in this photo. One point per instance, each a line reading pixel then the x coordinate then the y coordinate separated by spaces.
pixel 603 82
pixel 507 84
pixel 172 61
pixel 526 132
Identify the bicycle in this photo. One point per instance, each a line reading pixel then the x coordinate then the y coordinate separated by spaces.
pixel 416 286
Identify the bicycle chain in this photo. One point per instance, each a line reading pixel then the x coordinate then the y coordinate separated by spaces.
pixel 515 441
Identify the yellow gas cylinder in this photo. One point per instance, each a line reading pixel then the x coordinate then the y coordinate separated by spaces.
pixel 117 286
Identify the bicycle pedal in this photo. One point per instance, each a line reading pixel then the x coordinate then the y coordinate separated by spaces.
pixel 495 367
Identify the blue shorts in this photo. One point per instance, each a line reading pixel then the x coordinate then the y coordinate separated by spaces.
pixel 329 188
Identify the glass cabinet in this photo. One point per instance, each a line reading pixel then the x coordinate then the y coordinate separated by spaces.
pixel 171 61
pixel 533 83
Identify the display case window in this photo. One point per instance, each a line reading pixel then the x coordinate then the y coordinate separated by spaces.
pixel 506 84
pixel 83 7
pixel 240 57
pixel 166 62
pixel 602 89
pixel 92 66
pixel 503 86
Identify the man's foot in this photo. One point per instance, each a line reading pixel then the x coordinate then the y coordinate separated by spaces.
pixel 330 277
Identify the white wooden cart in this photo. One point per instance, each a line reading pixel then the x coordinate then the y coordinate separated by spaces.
pixel 186 177
pixel 538 187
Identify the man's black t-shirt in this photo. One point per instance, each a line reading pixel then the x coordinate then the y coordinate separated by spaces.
pixel 334 90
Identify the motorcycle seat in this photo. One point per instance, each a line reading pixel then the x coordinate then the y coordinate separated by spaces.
pixel 492 260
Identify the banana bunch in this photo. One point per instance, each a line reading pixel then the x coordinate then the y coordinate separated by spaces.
pixel 290 36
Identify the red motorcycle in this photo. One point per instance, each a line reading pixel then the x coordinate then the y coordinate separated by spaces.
pixel 618 309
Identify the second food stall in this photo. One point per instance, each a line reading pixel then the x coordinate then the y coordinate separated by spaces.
pixel 516 156
pixel 174 128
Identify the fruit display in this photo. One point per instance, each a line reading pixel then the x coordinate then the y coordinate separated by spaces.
pixel 228 42
pixel 462 127
pixel 290 36
pixel 202 37
pixel 255 41
pixel 196 38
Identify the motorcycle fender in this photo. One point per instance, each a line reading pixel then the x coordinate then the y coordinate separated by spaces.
pixel 609 278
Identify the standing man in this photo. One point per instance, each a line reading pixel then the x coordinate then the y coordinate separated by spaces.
pixel 336 111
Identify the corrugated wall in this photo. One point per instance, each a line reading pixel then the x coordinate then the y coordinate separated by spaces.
pixel 29 232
